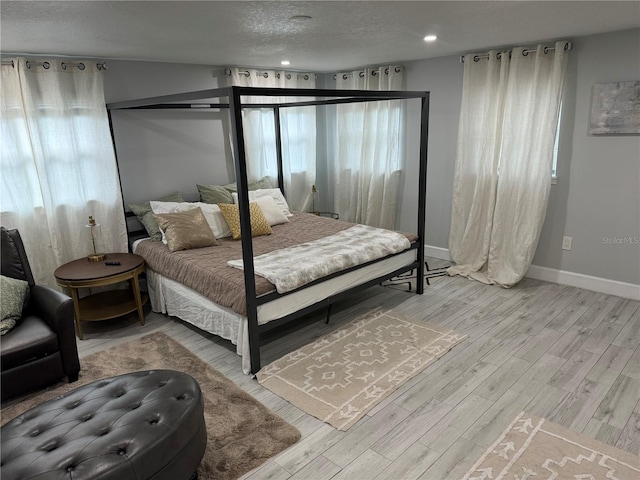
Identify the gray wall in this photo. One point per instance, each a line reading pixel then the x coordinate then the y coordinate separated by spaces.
pixel 442 77
pixel 162 151
pixel 597 196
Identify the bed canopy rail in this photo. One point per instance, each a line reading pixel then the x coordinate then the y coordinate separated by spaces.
pixel 316 97
pixel 320 97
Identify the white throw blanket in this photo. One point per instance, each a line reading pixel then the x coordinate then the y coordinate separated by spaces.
pixel 292 267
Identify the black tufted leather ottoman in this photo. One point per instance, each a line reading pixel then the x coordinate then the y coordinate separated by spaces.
pixel 142 425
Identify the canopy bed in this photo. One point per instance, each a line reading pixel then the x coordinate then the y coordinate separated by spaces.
pixel 260 304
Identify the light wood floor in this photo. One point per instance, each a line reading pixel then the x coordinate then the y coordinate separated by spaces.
pixel 565 354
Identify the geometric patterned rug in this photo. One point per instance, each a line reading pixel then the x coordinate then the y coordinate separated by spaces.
pixel 535 449
pixel 342 375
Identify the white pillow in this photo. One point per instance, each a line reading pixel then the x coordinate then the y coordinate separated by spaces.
pixel 274 193
pixel 271 210
pixel 211 213
pixel 167 207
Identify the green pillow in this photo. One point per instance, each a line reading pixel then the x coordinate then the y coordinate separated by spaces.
pixel 214 194
pixel 13 295
pixel 145 214
pixel 262 183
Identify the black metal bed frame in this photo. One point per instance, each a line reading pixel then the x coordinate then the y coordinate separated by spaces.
pixel 317 97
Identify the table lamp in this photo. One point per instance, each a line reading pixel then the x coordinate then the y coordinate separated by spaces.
pixel 314 193
pixel 96 236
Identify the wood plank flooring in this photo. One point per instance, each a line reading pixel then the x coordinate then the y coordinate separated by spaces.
pixel 566 354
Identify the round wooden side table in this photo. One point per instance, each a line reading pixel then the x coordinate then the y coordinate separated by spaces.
pixel 82 273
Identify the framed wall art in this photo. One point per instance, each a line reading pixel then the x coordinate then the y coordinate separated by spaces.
pixel 615 109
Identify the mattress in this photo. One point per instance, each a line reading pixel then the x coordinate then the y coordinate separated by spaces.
pixel 206 270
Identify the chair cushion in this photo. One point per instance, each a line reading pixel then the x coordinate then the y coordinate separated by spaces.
pixel 31 338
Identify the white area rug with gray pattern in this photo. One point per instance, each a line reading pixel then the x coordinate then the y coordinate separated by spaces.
pixel 341 376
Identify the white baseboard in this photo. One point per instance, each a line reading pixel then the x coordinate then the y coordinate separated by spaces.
pixel 596 284
pixel 437 252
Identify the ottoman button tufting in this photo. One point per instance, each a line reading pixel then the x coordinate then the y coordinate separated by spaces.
pixel 129 442
pixel 49 447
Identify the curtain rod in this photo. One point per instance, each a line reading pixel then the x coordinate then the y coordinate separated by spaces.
pixel 567 46
pixel 63 65
pixel 361 74
pixel 247 73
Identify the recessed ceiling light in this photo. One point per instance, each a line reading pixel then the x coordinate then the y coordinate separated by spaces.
pixel 430 38
pixel 285 62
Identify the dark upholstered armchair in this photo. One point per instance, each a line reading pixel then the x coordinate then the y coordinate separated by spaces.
pixel 41 349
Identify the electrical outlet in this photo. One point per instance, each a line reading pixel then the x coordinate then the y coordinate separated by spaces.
pixel 566 243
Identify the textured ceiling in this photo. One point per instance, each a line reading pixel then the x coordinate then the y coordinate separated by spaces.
pixel 339 35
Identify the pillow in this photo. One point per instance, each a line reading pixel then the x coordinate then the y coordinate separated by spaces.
pixel 186 230
pixel 13 295
pixel 271 210
pixel 168 207
pixel 145 214
pixel 211 213
pixel 259 224
pixel 275 193
pixel 214 194
pixel 262 183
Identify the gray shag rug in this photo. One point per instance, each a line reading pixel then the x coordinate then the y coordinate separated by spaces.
pixel 241 432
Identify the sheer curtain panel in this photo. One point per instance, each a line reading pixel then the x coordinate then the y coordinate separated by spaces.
pixel 367 156
pixel 58 165
pixel 508 121
pixel 298 132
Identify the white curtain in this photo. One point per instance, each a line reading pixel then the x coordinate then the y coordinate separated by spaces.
pixel 58 165
pixel 508 121
pixel 367 157
pixel 298 132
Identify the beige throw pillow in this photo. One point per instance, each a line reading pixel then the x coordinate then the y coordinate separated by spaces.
pixel 211 213
pixel 186 230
